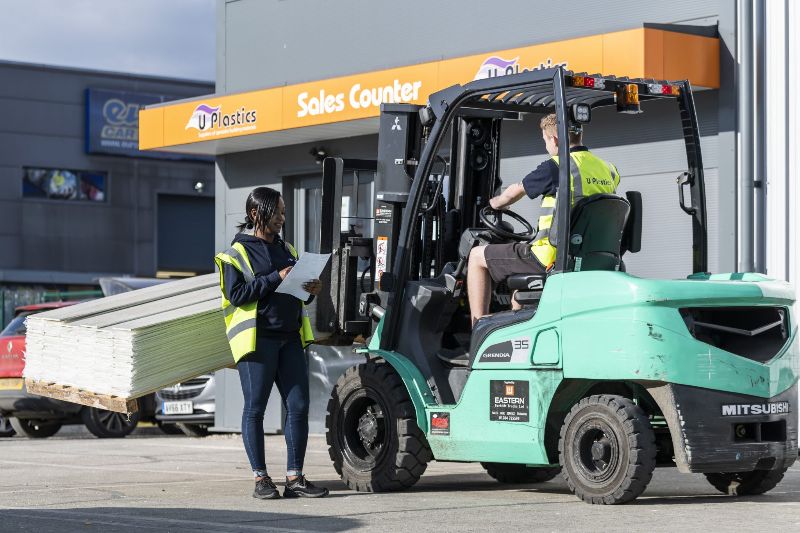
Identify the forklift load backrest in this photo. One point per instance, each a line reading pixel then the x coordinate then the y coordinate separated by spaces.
pixel 596 232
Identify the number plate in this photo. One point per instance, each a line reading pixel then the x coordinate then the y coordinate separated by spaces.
pixel 177 408
pixel 10 384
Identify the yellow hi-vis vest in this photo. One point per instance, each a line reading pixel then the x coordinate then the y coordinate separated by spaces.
pixel 240 322
pixel 588 175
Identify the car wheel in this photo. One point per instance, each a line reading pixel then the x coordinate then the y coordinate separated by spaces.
pixel 108 424
pixel 516 474
pixel 35 429
pixel 169 429
pixel 746 483
pixel 193 430
pixel 607 450
pixel 5 427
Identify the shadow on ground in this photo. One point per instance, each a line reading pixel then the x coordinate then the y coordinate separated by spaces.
pixel 130 519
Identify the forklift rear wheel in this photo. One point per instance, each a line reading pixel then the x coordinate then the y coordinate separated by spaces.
pixel 746 483
pixel 515 474
pixel 373 437
pixel 607 450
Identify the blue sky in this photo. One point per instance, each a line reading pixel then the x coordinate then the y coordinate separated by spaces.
pixel 174 38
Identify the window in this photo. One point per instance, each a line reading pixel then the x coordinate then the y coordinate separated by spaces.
pixel 63 184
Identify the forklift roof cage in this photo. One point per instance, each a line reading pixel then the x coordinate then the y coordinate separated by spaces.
pixel 545 91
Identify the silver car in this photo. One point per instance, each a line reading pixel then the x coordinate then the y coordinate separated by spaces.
pixel 189 405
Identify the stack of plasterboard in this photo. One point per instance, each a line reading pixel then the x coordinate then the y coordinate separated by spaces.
pixel 130 344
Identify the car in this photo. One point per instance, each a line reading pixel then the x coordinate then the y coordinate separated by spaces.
pixel 189 405
pixel 34 416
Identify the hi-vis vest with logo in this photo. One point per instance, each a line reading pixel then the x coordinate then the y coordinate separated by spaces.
pixel 240 322
pixel 588 175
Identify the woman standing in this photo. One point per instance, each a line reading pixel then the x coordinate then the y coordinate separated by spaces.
pixel 267 331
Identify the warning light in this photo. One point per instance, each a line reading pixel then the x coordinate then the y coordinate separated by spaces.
pixel 627 97
pixel 669 90
pixel 588 82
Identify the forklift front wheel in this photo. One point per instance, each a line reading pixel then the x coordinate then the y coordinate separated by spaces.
pixel 607 450
pixel 373 437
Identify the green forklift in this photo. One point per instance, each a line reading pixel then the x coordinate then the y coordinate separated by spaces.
pixel 601 375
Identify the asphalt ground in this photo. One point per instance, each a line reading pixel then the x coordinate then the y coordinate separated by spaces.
pixel 75 482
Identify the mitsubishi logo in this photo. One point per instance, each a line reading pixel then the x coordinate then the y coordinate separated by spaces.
pixel 9 347
pixel 396 126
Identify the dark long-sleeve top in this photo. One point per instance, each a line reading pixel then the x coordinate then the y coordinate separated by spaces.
pixel 278 314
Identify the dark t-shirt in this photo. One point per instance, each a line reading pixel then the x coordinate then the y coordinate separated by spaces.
pixel 543 181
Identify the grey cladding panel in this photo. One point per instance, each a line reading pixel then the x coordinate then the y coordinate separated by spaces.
pixel 269 43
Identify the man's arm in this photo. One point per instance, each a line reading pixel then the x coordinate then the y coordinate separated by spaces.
pixel 512 194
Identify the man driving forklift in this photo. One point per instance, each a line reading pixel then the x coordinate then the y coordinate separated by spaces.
pixel 496 262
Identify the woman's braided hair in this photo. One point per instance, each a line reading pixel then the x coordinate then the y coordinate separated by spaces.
pixel 265 201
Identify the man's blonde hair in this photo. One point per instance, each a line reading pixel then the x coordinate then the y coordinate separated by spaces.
pixel 548 125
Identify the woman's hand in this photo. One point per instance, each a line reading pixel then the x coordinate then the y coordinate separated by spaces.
pixel 313 287
pixel 285 272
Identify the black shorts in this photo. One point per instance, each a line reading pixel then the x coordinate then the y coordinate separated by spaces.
pixel 504 260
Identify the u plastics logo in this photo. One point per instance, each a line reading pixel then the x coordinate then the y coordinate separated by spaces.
pixel 210 120
pixel 494 66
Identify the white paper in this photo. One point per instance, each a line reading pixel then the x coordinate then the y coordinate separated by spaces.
pixel 310 266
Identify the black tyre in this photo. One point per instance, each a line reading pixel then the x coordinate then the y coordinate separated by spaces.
pixel 169 429
pixel 607 450
pixel 515 474
pixel 35 429
pixel 746 483
pixel 108 424
pixel 5 428
pixel 373 437
pixel 193 430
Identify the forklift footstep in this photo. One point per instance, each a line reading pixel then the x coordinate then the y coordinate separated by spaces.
pixel 454 357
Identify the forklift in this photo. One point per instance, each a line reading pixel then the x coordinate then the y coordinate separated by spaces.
pixel 601 375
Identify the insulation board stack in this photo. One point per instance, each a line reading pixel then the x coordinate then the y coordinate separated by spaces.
pixel 130 344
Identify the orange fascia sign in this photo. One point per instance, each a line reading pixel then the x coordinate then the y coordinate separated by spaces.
pixel 637 53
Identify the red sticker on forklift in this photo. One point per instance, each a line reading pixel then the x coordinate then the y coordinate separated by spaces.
pixel 508 401
pixel 440 423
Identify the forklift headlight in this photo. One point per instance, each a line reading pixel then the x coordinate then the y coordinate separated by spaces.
pixel 581 113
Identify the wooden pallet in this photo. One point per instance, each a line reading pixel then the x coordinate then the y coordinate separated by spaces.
pixel 82 397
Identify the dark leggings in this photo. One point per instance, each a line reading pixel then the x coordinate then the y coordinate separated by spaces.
pixel 282 362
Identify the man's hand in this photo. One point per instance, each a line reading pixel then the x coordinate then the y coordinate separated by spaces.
pixel 285 272
pixel 313 287
pixel 512 194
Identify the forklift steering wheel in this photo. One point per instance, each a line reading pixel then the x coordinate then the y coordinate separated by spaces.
pixel 493 218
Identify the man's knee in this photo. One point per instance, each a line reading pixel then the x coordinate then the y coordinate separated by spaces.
pixel 477 257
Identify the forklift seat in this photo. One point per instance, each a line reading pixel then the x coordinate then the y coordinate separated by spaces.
pixel 596 232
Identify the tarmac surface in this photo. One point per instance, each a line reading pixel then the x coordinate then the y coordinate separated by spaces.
pixel 74 482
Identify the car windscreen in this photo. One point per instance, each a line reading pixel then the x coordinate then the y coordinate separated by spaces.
pixel 15 327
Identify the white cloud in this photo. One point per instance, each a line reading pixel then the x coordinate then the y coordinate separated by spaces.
pixel 175 38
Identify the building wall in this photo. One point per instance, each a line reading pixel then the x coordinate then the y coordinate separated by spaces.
pixel 43 126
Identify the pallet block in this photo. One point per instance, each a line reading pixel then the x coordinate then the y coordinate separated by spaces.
pixel 82 397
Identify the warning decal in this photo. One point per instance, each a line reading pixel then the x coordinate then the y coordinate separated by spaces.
pixel 440 423
pixel 508 401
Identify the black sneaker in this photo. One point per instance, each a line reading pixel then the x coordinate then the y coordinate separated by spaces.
pixel 302 488
pixel 266 489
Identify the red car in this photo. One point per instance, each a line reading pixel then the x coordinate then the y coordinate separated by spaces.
pixel 35 416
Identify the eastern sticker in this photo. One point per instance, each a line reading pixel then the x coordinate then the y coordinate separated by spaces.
pixel 383 215
pixel 440 423
pixel 510 351
pixel 508 401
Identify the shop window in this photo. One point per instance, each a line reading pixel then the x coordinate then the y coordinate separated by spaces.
pixel 63 184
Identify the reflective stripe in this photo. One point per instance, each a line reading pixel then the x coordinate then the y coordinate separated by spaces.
pixel 577 180
pixel 240 327
pixel 228 311
pixel 246 271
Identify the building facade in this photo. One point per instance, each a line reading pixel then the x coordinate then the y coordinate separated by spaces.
pixel 320 96
pixel 78 200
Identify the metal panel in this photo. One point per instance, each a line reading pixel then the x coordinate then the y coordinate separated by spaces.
pixel 286 55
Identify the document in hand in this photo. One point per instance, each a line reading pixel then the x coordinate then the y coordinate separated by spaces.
pixel 309 267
